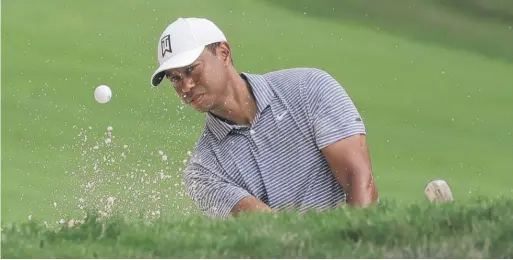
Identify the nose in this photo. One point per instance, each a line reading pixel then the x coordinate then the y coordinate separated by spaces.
pixel 186 84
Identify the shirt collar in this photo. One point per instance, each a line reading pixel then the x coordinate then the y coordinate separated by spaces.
pixel 263 94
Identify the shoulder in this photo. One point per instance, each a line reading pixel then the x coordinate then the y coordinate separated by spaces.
pixel 303 82
pixel 292 75
pixel 310 78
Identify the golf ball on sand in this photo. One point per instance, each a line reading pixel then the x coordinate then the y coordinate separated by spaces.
pixel 102 94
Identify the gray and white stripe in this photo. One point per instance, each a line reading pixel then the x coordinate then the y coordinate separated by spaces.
pixel 278 158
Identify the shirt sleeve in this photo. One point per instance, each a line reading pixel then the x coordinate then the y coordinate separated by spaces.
pixel 332 113
pixel 213 195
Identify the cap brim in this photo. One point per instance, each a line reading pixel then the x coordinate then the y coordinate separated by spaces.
pixel 177 61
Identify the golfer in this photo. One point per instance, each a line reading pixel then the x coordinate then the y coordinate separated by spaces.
pixel 291 139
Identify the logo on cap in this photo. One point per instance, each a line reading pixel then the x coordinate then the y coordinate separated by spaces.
pixel 165 45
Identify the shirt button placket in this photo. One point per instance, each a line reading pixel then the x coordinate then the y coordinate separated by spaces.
pixel 251 135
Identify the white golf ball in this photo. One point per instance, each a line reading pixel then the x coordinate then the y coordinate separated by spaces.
pixel 102 94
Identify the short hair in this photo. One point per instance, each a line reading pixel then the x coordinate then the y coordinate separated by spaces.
pixel 212 48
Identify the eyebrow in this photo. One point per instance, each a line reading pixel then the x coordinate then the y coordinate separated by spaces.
pixel 171 74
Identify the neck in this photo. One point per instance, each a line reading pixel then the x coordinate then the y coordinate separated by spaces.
pixel 239 106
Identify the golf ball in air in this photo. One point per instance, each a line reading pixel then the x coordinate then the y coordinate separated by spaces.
pixel 102 94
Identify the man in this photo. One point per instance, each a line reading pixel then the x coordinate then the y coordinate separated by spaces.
pixel 287 140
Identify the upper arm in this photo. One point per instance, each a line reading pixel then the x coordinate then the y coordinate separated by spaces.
pixel 347 156
pixel 339 132
pixel 350 163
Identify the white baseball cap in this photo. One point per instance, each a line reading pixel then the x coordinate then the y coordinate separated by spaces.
pixel 182 43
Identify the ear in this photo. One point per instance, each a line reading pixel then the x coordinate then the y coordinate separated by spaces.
pixel 224 52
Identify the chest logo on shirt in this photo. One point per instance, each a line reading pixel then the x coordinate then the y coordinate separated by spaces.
pixel 280 117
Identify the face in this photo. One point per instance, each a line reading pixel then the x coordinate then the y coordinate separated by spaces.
pixel 202 84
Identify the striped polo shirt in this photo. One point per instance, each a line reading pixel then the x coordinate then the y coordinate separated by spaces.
pixel 278 157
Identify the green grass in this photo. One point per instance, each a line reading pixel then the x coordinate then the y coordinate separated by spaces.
pixel 476 229
pixel 470 25
pixel 431 78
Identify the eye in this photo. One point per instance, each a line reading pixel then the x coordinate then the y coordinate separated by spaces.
pixel 190 69
pixel 174 78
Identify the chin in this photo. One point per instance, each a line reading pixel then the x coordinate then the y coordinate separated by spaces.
pixel 203 107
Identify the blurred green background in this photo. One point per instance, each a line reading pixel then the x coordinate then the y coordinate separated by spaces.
pixel 433 80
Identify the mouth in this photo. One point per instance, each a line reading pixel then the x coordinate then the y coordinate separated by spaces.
pixel 195 99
